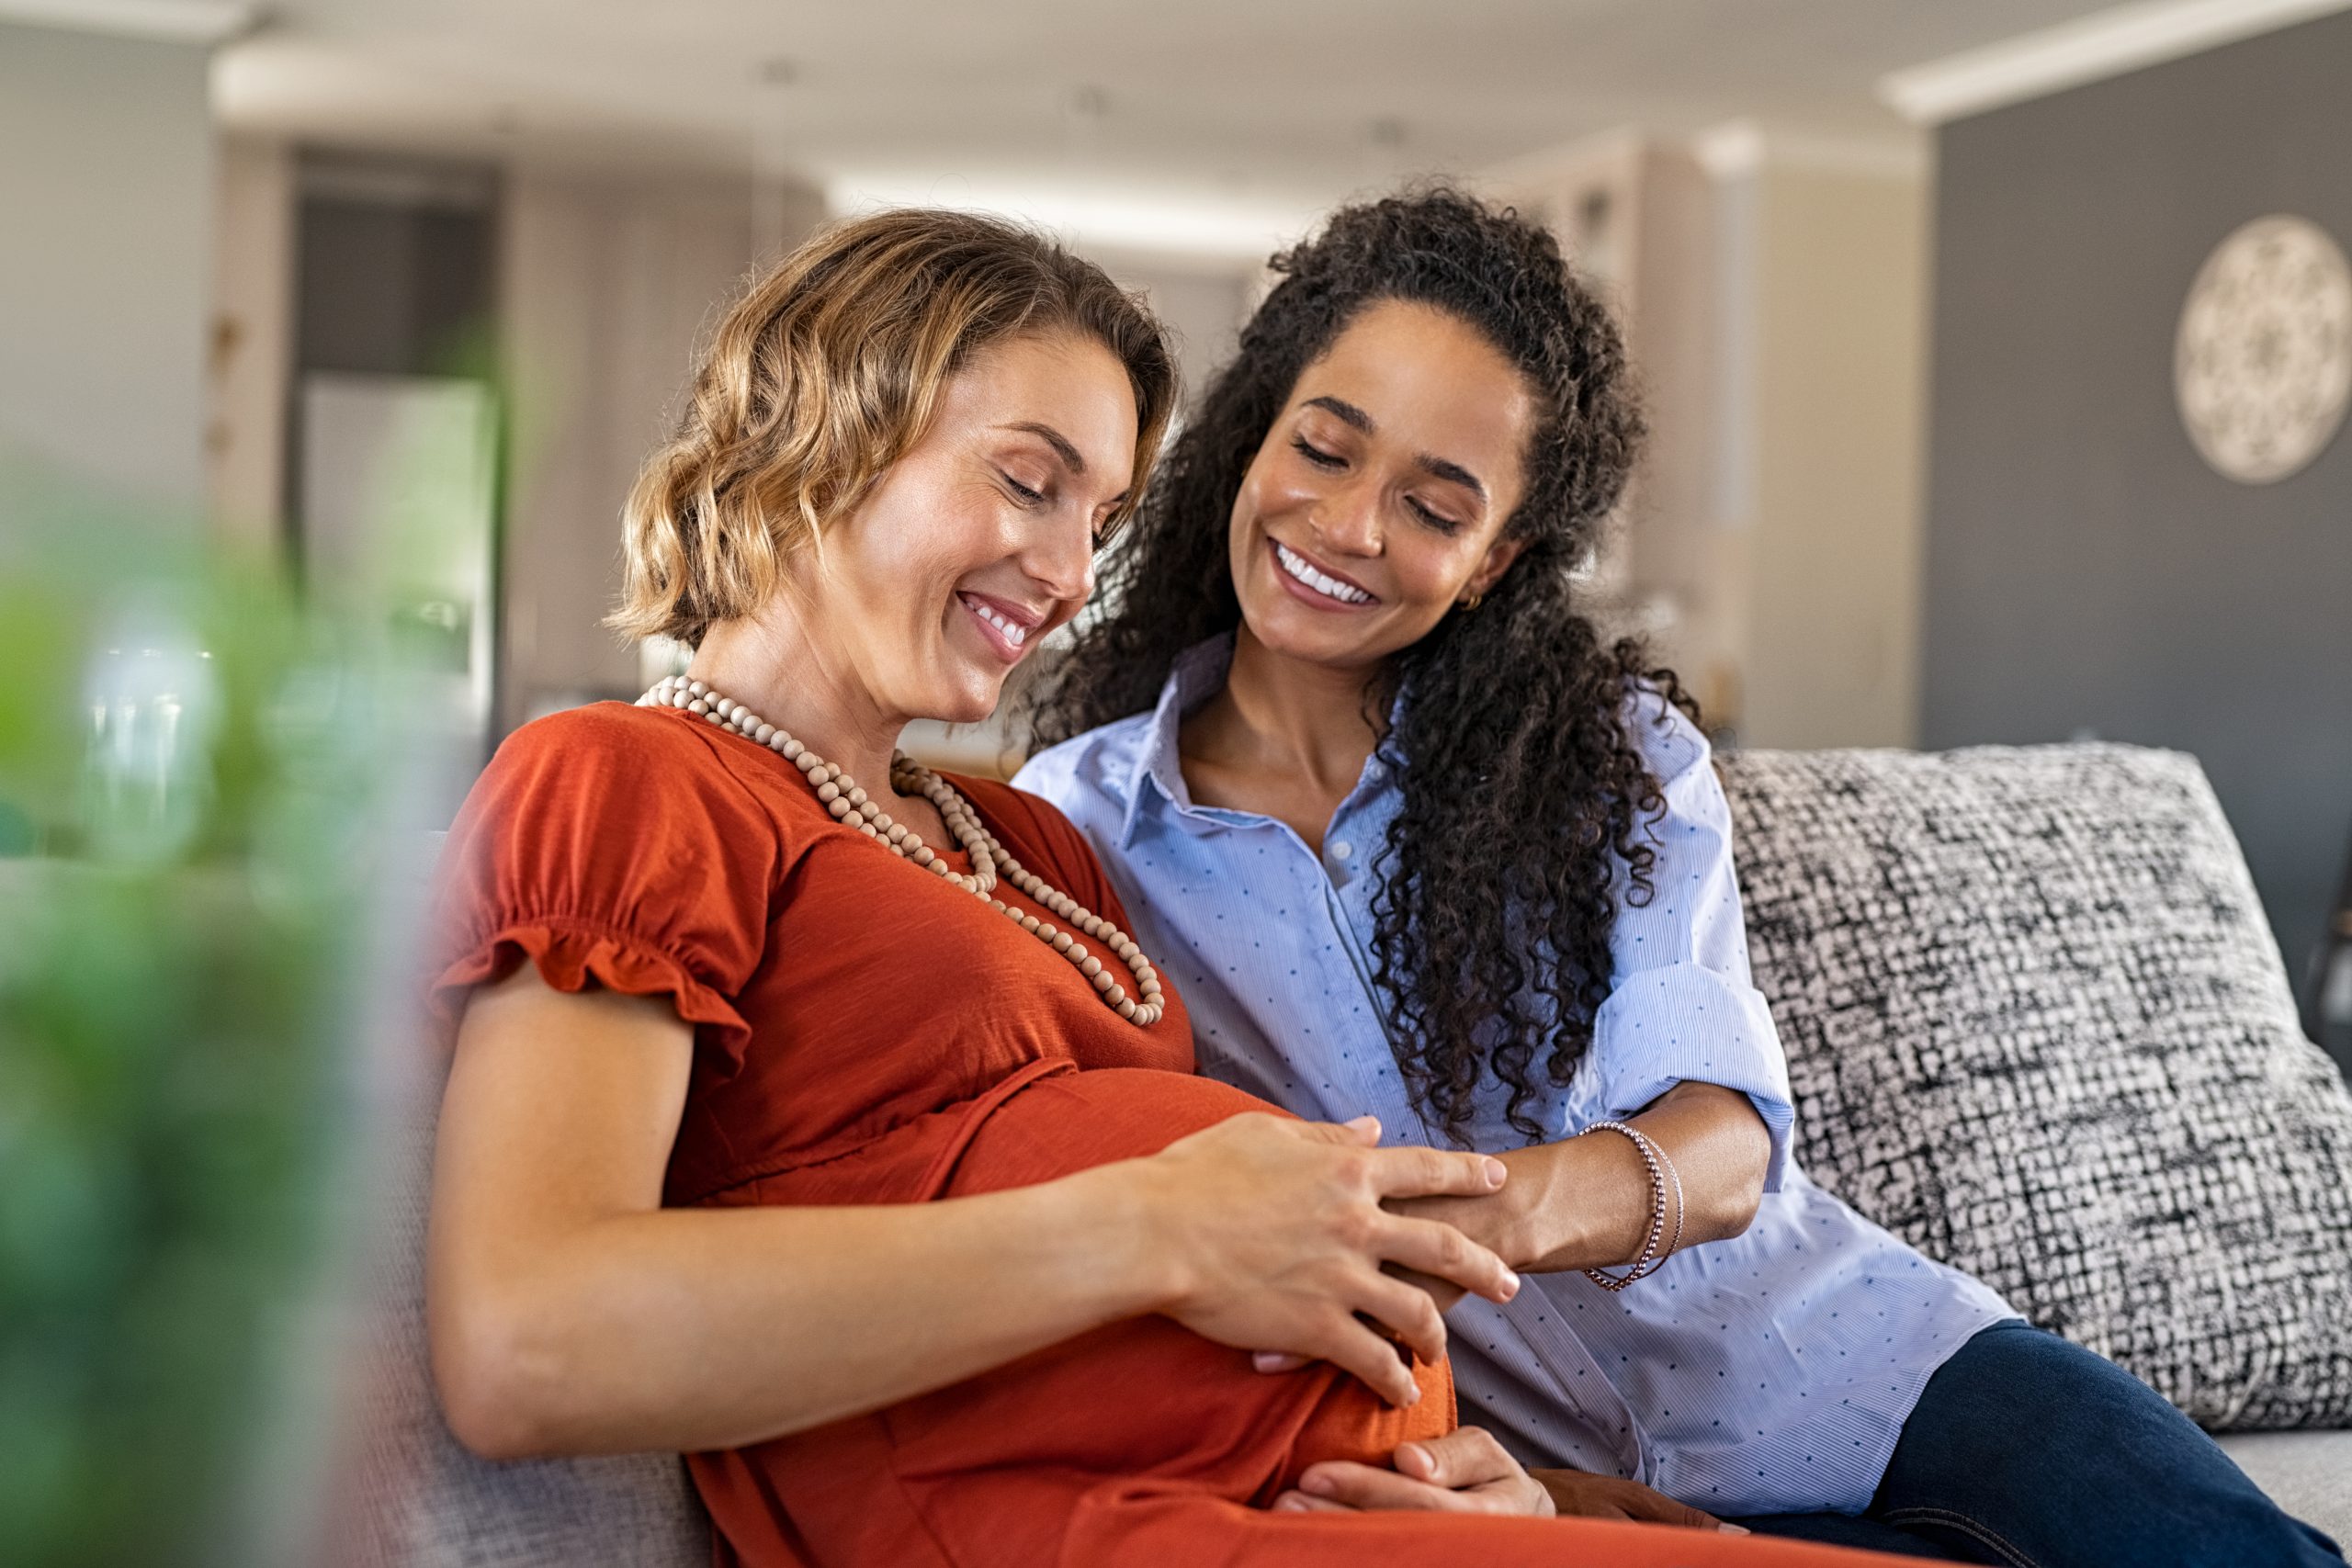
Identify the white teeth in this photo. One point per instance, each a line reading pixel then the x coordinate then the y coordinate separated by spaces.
pixel 1015 631
pixel 1330 587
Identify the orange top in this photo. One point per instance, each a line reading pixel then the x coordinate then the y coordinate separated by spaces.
pixel 864 1032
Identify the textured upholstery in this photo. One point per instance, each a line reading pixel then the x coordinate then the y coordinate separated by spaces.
pixel 2038 1026
pixel 422 1501
pixel 2307 1474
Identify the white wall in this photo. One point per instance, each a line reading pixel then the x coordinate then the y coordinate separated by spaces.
pixel 1833 541
pixel 253 350
pixel 606 289
pixel 1772 289
pixel 1202 304
pixel 106 237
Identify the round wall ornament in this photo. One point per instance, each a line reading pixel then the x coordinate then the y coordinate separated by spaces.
pixel 2262 364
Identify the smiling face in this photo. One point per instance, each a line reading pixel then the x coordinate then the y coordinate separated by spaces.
pixel 1378 499
pixel 979 540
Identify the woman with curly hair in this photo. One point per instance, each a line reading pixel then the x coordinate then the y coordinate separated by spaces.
pixel 1415 841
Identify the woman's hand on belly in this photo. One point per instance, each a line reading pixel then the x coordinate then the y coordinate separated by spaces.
pixel 1276 1239
pixel 1584 1202
pixel 1464 1471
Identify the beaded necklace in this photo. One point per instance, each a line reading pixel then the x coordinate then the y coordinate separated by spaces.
pixel 851 805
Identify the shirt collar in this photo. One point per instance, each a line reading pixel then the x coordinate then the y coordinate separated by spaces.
pixel 1198 671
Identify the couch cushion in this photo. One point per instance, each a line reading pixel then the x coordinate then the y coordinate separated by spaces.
pixel 2038 1026
pixel 415 1498
pixel 2307 1474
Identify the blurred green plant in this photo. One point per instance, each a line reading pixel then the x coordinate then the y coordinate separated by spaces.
pixel 189 780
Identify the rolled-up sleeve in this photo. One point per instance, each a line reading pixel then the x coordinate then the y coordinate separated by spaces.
pixel 1681 1007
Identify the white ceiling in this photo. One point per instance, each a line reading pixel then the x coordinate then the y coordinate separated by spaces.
pixel 1233 113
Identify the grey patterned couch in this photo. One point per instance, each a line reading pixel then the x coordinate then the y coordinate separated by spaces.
pixel 2035 1024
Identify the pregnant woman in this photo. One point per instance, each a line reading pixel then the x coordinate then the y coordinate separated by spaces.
pixel 1416 843
pixel 817 1114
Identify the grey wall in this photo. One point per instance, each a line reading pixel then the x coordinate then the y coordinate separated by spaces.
pixel 106 249
pixel 2085 570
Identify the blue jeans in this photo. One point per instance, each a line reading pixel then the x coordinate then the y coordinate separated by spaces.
pixel 2028 1451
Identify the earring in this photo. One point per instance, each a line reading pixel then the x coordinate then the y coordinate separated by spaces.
pixel 1471 603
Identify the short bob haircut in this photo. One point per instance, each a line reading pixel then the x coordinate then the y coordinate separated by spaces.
pixel 825 373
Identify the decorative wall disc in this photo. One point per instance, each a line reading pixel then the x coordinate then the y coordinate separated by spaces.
pixel 2262 364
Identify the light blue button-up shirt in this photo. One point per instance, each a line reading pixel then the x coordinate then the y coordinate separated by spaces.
pixel 1768 1373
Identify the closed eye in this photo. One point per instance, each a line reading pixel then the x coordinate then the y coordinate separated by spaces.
pixel 1436 520
pixel 1022 493
pixel 1315 455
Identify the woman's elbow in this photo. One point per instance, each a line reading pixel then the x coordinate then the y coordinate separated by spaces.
pixel 1734 1210
pixel 1737 1199
pixel 492 1368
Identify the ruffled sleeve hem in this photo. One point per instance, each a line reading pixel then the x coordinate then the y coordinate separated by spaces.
pixel 570 954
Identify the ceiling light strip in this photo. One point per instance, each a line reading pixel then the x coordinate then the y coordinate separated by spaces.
pixel 179 22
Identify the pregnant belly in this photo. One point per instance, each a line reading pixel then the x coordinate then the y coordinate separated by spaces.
pixel 1004 1458
pixel 1148 1396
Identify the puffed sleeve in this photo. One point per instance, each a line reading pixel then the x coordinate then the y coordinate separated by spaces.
pixel 1681 1007
pixel 607 845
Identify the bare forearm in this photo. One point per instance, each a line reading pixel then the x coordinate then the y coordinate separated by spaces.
pixel 571 1313
pixel 688 1329
pixel 1585 1202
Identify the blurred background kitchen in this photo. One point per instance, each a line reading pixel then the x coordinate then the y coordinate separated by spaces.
pixel 1997 353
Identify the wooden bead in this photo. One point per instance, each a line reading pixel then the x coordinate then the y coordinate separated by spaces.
pixel 848 802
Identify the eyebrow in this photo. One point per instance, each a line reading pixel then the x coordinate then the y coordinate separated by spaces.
pixel 1436 468
pixel 1054 438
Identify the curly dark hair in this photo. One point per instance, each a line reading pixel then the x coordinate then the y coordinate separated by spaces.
pixel 1522 774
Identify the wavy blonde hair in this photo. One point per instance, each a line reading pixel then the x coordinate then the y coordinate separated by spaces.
pixel 825 373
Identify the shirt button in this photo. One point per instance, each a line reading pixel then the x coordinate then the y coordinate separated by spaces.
pixel 1341 850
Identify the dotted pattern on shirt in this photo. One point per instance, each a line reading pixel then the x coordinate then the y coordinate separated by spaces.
pixel 2037 1025
pixel 1768 1373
